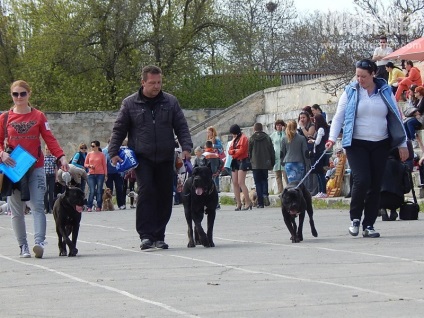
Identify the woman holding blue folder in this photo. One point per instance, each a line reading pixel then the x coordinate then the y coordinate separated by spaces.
pixel 23 126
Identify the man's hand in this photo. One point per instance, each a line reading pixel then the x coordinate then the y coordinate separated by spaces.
pixel 114 160
pixel 403 153
pixel 186 155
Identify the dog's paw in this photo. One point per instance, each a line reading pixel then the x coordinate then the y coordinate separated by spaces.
pixel 211 244
pixel 73 252
pixel 300 236
pixel 191 244
pixel 295 239
pixel 63 253
pixel 313 230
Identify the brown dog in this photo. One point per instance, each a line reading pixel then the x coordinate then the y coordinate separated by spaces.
pixel 252 196
pixel 107 204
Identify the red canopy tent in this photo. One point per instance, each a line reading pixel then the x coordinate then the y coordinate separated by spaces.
pixel 411 51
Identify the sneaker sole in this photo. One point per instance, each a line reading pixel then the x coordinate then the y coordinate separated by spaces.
pixel 25 256
pixel 353 233
pixel 38 251
pixel 371 236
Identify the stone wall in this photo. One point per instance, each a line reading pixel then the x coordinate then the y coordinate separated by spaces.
pixel 72 128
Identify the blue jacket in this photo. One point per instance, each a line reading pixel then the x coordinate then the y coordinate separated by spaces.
pixel 395 127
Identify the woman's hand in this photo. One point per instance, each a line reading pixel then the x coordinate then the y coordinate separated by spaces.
pixel 329 144
pixel 7 159
pixel 64 164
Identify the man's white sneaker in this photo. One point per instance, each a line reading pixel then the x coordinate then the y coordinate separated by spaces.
pixel 38 249
pixel 25 251
pixel 370 232
pixel 354 228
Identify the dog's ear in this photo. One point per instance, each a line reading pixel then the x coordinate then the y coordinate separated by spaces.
pixel 195 171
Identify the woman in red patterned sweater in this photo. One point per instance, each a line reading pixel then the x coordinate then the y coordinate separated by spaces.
pixel 23 125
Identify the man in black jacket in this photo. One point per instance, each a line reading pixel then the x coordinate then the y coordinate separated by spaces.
pixel 151 118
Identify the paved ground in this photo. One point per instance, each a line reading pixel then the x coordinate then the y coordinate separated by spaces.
pixel 254 270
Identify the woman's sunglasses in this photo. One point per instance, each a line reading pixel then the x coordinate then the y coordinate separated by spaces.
pixel 21 94
pixel 83 148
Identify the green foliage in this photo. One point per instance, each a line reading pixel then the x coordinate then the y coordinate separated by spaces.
pixel 220 91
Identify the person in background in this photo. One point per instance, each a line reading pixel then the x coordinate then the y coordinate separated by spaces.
pixel 413 77
pixel 316 109
pixel 372 125
pixel 240 164
pixel 213 160
pixel 276 137
pixel 262 157
pixel 50 168
pixel 293 153
pixel 380 52
pixel 199 158
pixel 129 183
pixel 416 119
pixel 212 136
pixel 22 114
pixel 394 73
pixel 78 161
pixel 97 174
pixel 306 126
pixel 319 148
pixel 162 119
pixel 114 178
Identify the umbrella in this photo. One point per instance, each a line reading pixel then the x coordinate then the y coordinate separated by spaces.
pixel 412 51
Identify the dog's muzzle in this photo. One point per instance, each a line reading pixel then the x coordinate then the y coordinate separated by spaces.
pixel 294 213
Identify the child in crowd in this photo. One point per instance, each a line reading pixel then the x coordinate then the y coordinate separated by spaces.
pixel 199 160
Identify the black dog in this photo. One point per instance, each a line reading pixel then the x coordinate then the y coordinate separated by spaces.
pixel 295 200
pixel 199 192
pixel 67 215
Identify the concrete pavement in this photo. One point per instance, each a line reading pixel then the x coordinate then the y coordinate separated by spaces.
pixel 254 270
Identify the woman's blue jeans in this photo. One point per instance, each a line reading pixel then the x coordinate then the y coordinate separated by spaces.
pixel 95 184
pixel 295 171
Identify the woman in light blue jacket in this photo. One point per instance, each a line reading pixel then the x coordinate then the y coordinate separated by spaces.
pixel 372 126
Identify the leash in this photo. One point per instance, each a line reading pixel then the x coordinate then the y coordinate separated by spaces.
pixel 310 170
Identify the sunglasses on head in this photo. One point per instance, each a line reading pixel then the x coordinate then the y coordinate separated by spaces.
pixel 364 65
pixel 21 94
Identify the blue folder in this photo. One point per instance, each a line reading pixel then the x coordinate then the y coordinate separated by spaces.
pixel 24 161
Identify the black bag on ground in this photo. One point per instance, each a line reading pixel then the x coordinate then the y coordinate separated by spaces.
pixel 409 210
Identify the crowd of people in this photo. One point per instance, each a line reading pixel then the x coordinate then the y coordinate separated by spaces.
pixel 296 151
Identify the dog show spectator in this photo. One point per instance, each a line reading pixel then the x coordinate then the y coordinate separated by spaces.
pixel 276 138
pixel 415 119
pixel 262 157
pixel 97 174
pixel 394 73
pixel 413 77
pixel 240 164
pixel 154 144
pixel 293 152
pixel 114 178
pixel 50 168
pixel 380 52
pixel 22 114
pixel 78 160
pixel 370 129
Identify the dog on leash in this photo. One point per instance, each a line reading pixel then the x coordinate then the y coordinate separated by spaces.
pixel 107 204
pixel 295 200
pixel 252 196
pixel 133 194
pixel 200 197
pixel 67 215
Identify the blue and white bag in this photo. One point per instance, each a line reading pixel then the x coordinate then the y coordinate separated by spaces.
pixel 129 160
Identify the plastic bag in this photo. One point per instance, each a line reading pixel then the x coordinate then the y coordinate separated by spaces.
pixel 129 160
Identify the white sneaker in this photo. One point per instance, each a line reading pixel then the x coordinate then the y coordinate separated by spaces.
pixel 38 249
pixel 25 251
pixel 318 195
pixel 354 228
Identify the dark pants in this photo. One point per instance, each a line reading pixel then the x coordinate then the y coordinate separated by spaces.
pixel 411 125
pixel 49 194
pixel 319 171
pixel 260 176
pixel 154 204
pixel 367 160
pixel 118 180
